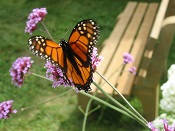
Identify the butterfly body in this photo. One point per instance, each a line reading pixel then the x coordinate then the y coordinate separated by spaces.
pixel 72 56
pixel 66 48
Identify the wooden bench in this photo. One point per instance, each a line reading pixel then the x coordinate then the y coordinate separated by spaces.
pixel 138 31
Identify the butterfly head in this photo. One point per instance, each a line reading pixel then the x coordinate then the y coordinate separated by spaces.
pixel 63 42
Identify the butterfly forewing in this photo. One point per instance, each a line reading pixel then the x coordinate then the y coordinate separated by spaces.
pixel 83 39
pixel 47 49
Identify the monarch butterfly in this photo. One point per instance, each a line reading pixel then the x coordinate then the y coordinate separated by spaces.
pixel 74 56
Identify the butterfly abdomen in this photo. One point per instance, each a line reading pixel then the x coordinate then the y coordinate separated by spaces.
pixel 70 55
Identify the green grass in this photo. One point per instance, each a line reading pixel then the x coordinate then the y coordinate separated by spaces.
pixel 61 114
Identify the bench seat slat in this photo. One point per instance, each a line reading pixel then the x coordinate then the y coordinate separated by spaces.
pixel 125 45
pixel 127 79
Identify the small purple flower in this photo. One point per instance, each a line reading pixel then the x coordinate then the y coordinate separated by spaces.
pixel 165 126
pixel 34 18
pixel 150 126
pixel 132 70
pixel 172 127
pixel 55 73
pixel 95 59
pixel 6 109
pixel 127 58
pixel 168 127
pixel 18 70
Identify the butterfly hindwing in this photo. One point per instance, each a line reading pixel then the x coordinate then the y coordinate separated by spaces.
pixel 81 81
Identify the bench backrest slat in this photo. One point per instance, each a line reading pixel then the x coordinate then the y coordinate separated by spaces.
pixel 159 18
pixel 154 35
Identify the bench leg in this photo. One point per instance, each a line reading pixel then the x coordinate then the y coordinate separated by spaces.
pixel 150 102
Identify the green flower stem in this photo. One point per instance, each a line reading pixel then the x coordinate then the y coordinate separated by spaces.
pixel 86 114
pixel 22 109
pixel 120 66
pixel 124 99
pixel 124 111
pixel 138 119
pixel 2 124
pixel 106 103
pixel 40 76
pixel 47 31
pixel 88 111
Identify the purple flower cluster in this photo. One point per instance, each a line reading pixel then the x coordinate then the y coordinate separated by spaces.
pixel 165 126
pixel 95 59
pixel 19 68
pixel 6 109
pixel 34 18
pixel 127 58
pixel 132 70
pixel 55 73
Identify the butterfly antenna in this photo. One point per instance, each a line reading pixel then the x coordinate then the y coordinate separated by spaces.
pixel 66 33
